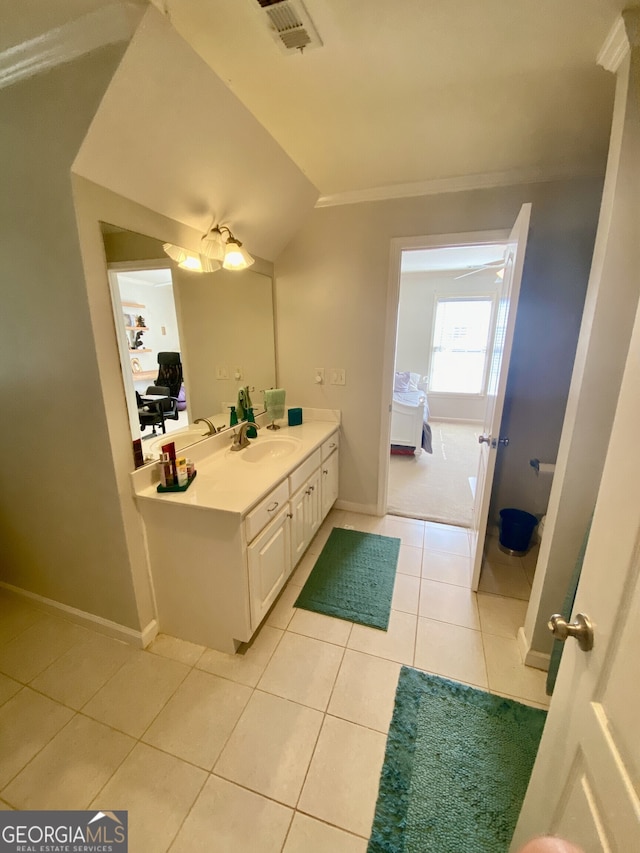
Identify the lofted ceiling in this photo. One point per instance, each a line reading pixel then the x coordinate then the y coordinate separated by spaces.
pixel 403 93
pixel 406 91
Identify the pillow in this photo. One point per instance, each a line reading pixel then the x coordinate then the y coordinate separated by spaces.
pixel 401 382
pixel 414 378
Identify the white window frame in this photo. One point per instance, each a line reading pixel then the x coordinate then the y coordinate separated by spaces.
pixel 449 296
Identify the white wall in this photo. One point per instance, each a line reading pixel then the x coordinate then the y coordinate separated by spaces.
pixel 331 309
pixel 60 521
pixel 416 308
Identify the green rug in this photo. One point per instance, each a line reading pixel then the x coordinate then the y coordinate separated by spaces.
pixel 353 578
pixel 456 768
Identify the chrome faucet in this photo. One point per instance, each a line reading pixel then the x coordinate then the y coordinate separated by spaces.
pixel 240 439
pixel 211 431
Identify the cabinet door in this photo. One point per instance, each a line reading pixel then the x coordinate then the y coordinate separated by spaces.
pixel 313 505
pixel 299 540
pixel 329 484
pixel 269 560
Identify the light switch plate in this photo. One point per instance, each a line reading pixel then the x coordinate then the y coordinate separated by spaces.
pixel 222 372
pixel 338 376
pixel 319 375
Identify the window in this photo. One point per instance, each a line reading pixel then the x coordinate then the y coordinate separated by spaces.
pixel 459 346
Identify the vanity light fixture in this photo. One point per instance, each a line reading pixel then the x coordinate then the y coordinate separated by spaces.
pixel 188 260
pixel 227 251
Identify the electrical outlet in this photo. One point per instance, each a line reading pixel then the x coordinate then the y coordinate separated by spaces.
pixel 319 375
pixel 338 376
pixel 222 372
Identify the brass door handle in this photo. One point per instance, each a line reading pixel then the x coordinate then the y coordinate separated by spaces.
pixel 581 628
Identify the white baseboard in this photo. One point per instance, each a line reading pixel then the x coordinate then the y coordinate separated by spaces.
pixel 88 620
pixel 537 660
pixel 349 506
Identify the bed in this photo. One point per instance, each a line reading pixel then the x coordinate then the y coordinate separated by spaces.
pixel 410 431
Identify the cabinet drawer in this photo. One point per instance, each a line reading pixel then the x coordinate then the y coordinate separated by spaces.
pixel 266 510
pixel 304 471
pixel 330 445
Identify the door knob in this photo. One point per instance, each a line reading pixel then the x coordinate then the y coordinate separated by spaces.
pixel 581 628
pixel 484 438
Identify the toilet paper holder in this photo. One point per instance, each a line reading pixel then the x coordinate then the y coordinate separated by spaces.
pixel 542 467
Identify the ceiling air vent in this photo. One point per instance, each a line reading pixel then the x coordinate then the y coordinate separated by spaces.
pixel 290 25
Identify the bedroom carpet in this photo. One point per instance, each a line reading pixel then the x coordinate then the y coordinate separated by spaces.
pixel 353 578
pixel 439 486
pixel 456 768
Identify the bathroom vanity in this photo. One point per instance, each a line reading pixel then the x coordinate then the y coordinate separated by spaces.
pixel 221 552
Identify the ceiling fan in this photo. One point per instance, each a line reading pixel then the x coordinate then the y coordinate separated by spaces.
pixel 497 265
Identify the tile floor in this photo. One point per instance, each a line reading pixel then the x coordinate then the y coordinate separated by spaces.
pixel 276 749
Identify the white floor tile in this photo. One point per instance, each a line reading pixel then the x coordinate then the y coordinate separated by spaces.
pixel 27 722
pixel 248 664
pixel 76 676
pixel 15 617
pixel 443 537
pixel 72 767
pixel 308 835
pixel 320 626
pixel 157 790
pixel 303 569
pixel 180 650
pixel 342 783
pixel 507 673
pixel 303 669
pixel 365 690
pixel 196 722
pixel 136 693
pixel 34 649
pixel 449 603
pixel 229 819
pixel 282 611
pixel 406 592
pixel 397 643
pixel 495 554
pixel 502 579
pixel 8 688
pixel 410 560
pixel 500 615
pixel 271 747
pixel 451 651
pixel 447 568
pixel 408 531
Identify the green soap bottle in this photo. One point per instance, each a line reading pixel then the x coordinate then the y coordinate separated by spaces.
pixel 252 432
pixel 233 417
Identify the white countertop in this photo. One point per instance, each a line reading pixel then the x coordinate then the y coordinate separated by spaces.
pixel 228 483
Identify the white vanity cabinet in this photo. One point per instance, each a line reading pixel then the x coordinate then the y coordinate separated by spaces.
pixel 269 565
pixel 216 569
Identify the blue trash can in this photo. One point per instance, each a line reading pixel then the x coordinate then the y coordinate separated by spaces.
pixel 516 530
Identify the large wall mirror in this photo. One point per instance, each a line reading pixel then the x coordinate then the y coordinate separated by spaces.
pixel 220 324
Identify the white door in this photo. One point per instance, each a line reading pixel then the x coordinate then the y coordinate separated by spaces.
pixel 498 368
pixel 585 784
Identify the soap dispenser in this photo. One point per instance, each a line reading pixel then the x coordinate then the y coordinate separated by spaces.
pixel 233 417
pixel 252 432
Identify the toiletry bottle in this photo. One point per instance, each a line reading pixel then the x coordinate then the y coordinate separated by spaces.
pixel 170 448
pixel 233 417
pixel 252 432
pixel 191 468
pixel 166 471
pixel 181 470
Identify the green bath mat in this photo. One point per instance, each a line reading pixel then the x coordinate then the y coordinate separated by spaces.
pixel 456 768
pixel 353 578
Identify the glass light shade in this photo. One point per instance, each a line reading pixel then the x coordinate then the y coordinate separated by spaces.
pixel 212 245
pixel 192 261
pixel 235 256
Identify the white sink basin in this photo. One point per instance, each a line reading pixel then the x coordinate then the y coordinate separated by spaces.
pixel 269 449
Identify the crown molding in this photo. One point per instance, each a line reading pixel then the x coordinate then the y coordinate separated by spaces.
pixel 111 24
pixel 615 47
pixel 464 183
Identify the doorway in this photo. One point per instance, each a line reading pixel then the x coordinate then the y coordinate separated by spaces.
pixel 447 309
pixel 147 324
